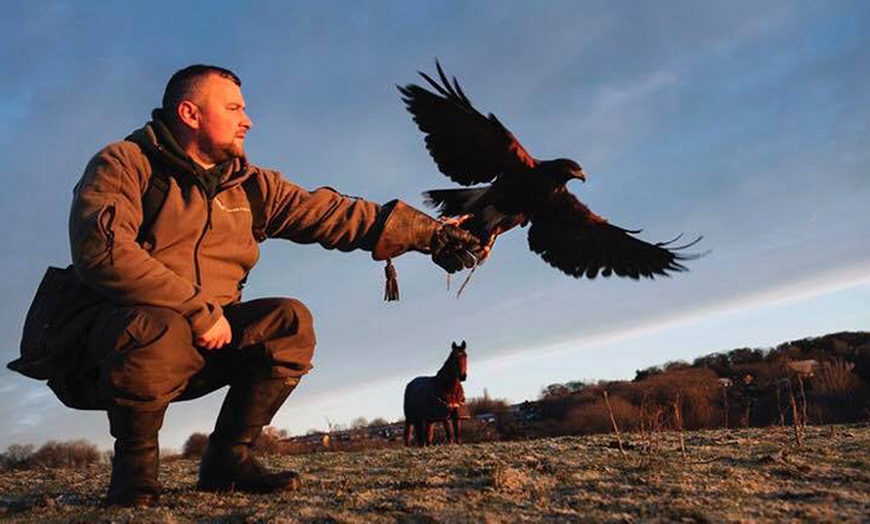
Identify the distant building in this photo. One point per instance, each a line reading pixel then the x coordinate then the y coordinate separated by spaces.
pixel 526 412
pixel 803 368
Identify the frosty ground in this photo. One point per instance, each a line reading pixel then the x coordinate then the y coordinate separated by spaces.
pixel 720 476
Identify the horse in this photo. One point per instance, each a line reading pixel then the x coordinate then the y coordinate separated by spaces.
pixel 437 399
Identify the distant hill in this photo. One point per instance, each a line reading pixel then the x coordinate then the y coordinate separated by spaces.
pixel 828 377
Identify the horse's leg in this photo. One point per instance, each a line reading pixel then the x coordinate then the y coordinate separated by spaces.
pixel 408 424
pixel 457 428
pixel 430 433
pixel 420 432
pixel 421 427
pixel 448 430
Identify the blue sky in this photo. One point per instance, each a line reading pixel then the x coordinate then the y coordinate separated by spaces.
pixel 745 122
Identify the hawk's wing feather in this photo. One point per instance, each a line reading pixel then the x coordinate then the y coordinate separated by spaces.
pixel 575 240
pixel 467 146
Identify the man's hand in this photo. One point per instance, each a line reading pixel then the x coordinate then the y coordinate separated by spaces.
pixel 218 336
pixel 454 248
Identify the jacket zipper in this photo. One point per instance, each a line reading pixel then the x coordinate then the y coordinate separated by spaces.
pixel 202 235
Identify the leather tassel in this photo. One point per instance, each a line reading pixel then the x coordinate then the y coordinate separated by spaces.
pixel 391 290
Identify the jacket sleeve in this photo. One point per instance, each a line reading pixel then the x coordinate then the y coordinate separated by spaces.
pixel 104 222
pixel 336 221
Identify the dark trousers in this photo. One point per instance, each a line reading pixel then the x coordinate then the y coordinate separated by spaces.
pixel 143 357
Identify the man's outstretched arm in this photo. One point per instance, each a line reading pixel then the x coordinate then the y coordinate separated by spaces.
pixel 336 221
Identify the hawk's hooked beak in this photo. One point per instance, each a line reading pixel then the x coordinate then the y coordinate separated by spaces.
pixel 580 174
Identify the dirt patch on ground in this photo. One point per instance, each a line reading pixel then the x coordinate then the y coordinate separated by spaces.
pixel 725 475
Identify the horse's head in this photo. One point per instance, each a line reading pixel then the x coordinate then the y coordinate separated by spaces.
pixel 459 361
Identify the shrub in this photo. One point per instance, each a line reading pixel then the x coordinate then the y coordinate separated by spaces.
pixel 269 441
pixel 17 456
pixel 835 377
pixel 195 445
pixel 52 454
pixel 71 454
pixel 594 417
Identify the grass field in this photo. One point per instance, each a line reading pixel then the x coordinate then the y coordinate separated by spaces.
pixel 756 475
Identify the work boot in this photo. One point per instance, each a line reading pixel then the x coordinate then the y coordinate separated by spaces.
pixel 137 457
pixel 228 463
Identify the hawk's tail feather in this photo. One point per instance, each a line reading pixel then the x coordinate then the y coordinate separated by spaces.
pixel 453 202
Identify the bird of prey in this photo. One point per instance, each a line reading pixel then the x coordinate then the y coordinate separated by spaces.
pixel 471 149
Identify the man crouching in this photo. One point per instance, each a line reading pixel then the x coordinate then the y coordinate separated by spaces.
pixel 165 227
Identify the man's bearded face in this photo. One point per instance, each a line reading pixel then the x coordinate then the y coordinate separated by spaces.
pixel 223 122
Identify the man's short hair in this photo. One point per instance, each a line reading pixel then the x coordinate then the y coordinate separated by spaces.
pixel 185 81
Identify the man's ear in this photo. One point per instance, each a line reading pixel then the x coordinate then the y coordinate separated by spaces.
pixel 188 114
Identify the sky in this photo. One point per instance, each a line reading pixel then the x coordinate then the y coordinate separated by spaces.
pixel 745 122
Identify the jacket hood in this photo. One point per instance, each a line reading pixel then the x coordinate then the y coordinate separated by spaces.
pixel 157 141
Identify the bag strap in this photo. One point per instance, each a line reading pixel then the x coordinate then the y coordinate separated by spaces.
pixel 257 204
pixel 152 202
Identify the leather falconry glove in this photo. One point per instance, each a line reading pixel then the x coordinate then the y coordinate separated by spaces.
pixel 408 229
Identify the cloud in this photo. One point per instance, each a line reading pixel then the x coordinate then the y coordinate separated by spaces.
pixel 619 111
pixel 856 276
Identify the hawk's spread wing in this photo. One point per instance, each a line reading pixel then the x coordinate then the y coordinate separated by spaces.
pixel 468 147
pixel 575 240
